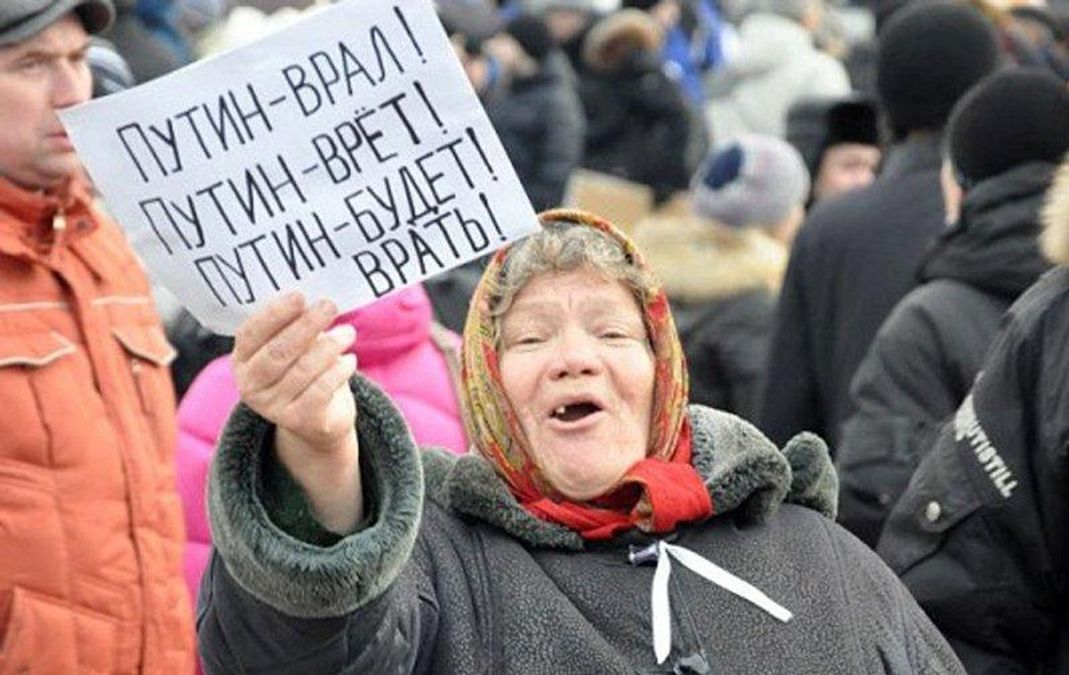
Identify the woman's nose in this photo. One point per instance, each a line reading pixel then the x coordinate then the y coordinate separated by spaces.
pixel 576 355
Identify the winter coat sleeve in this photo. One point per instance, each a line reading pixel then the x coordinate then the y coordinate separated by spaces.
pixel 789 404
pixel 903 392
pixel 980 535
pixel 283 595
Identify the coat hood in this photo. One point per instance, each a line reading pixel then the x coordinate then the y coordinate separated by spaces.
pixel 699 260
pixel 994 247
pixel 1056 218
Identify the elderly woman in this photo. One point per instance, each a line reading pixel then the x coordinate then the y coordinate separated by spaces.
pixel 548 549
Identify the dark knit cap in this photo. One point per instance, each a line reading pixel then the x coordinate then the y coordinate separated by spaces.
pixel 816 124
pixel 532 34
pixel 928 56
pixel 1011 118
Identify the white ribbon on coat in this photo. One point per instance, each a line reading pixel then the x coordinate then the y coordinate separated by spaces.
pixel 661 611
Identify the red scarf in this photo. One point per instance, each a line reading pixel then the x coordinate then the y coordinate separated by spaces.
pixel 669 492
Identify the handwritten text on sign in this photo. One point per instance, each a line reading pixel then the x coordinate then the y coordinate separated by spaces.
pixel 345 157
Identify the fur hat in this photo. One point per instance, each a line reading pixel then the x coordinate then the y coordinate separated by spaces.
pixel 618 36
pixel 928 56
pixel 754 180
pixel 1011 118
pixel 22 19
pixel 816 124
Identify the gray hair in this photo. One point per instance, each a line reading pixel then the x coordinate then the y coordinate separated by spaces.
pixel 566 247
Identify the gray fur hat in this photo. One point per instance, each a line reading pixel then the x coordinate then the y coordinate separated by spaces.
pixel 753 180
pixel 22 19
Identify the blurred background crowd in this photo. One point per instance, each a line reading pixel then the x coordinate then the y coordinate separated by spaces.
pixel 842 201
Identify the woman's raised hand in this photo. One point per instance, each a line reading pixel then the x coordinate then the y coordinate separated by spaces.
pixel 293 372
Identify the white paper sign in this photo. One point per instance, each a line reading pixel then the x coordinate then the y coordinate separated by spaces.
pixel 345 157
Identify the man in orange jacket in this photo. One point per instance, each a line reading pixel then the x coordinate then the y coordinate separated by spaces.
pixel 91 529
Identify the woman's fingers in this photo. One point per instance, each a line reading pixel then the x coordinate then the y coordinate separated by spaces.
pixel 318 359
pixel 265 324
pixel 325 409
pixel 267 365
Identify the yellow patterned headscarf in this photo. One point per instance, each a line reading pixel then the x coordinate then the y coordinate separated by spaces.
pixel 492 424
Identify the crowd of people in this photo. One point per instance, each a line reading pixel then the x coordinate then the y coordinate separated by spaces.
pixel 824 375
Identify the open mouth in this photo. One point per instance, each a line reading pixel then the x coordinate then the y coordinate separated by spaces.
pixel 573 412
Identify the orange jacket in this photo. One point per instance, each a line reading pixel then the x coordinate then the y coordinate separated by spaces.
pixel 91 529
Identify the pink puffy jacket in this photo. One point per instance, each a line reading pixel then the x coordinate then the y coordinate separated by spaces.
pixel 394 347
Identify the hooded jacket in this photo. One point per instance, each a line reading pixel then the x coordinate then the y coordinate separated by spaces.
pixel 981 535
pixel 90 525
pixel 776 65
pixel 450 575
pixel 722 285
pixel 398 346
pixel 923 360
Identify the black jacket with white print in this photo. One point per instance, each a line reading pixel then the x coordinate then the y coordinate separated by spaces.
pixel 981 536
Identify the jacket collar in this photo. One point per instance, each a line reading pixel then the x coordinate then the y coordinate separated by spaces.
pixel 703 261
pixel 743 471
pixel 33 221
pixel 921 151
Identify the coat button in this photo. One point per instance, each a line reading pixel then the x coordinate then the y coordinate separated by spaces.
pixel 933 511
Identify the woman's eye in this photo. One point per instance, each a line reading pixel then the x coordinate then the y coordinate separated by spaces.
pixel 528 340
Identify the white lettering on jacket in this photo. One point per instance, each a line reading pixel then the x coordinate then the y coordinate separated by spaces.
pixel 967 426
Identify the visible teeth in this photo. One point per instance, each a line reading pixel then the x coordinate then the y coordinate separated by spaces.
pixel 559 411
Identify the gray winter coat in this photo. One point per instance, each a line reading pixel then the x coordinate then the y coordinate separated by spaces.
pixel 455 577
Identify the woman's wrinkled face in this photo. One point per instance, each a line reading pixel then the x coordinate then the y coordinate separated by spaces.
pixel 578 370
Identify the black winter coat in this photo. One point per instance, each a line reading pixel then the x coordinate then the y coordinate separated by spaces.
pixel 638 125
pixel 981 535
pixel 458 578
pixel 853 260
pixel 540 122
pixel 923 360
